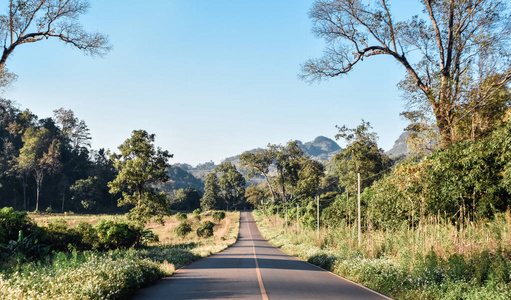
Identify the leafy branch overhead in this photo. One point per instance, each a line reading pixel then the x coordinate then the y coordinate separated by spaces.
pixel 29 21
pixel 463 46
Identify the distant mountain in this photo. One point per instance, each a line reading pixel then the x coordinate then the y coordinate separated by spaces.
pixel 180 178
pixel 183 176
pixel 321 148
pixel 200 171
pixel 400 147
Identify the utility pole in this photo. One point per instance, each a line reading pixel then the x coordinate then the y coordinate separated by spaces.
pixel 298 218
pixel 286 218
pixel 358 223
pixel 317 198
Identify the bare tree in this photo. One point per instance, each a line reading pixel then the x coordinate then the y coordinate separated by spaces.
pixel 29 21
pixel 463 46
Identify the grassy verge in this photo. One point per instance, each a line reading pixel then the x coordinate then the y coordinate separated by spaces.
pixel 390 264
pixel 114 274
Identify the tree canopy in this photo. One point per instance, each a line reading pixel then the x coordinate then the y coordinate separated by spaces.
pixel 463 60
pixel 29 21
pixel 361 155
pixel 141 164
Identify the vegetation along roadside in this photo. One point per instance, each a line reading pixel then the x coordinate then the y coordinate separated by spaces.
pixel 84 261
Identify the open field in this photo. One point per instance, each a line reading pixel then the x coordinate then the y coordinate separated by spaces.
pixel 113 274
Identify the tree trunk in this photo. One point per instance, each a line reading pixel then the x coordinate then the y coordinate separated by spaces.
pixel 63 200
pixel 38 180
pixel 270 187
pixel 24 186
pixel 37 198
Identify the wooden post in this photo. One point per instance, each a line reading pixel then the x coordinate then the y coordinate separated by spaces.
pixel 286 218
pixel 297 218
pixel 358 223
pixel 317 197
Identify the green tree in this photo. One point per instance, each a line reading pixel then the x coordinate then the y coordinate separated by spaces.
pixel 462 53
pixel 75 131
pixel 232 185
pixel 29 21
pixel 186 199
pixel 211 198
pixel 361 155
pixel 258 163
pixel 287 161
pixel 39 156
pixel 87 192
pixel 140 165
pixel 255 195
pixel 310 177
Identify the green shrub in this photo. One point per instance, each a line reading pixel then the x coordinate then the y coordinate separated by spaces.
pixel 90 238
pixel 205 229
pixel 196 214
pixel 147 236
pixel 116 235
pixel 11 222
pixel 181 216
pixel 183 229
pixel 218 215
pixel 59 236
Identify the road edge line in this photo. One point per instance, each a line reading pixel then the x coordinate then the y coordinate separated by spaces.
pixel 258 271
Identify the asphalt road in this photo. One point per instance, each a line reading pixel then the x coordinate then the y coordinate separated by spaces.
pixel 254 269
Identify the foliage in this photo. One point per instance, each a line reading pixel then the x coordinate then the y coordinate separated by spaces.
pixel 287 161
pixel 205 229
pixel 183 229
pixel 91 275
pixel 140 165
pixel 39 156
pixel 258 163
pixel 462 63
pixel 468 179
pixel 431 264
pixel 181 216
pixel 59 236
pixel 361 155
pixel 87 192
pixel 12 222
pixel 218 215
pixel 232 186
pixel 255 195
pixel 211 198
pixel 114 235
pixel 186 199
pixel 196 214
pixel 31 21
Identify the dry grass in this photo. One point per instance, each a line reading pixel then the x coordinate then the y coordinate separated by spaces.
pixel 225 231
pixel 73 219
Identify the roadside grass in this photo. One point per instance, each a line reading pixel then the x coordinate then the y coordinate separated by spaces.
pixel 114 274
pixel 433 261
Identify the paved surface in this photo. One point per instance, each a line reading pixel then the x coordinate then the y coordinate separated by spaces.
pixel 253 269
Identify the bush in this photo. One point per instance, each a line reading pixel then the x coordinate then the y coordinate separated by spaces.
pixel 181 216
pixel 90 238
pixel 147 236
pixel 205 229
pixel 116 235
pixel 183 229
pixel 59 236
pixel 196 214
pixel 11 222
pixel 218 215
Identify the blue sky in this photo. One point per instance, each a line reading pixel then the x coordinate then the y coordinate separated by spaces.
pixel 210 78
